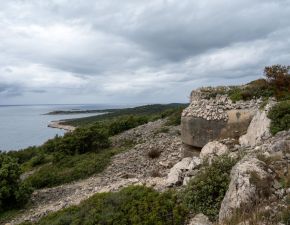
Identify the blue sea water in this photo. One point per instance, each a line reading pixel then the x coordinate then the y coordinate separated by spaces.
pixel 25 125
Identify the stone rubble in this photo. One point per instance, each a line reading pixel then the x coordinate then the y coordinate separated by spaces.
pixel 215 108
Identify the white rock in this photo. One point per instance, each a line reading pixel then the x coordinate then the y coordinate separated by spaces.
pixel 213 149
pixel 241 192
pixel 195 163
pixel 258 130
pixel 175 175
pixel 200 219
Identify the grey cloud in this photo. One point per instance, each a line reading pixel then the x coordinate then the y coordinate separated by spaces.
pixel 112 49
pixel 10 90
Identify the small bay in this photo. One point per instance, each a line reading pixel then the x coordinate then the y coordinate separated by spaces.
pixel 22 126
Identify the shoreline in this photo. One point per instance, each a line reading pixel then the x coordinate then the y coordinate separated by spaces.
pixel 58 125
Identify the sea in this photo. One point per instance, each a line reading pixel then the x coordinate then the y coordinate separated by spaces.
pixel 22 126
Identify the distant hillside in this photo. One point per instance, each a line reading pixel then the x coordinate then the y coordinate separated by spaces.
pixel 146 110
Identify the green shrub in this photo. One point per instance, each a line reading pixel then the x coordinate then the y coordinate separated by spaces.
pixel 235 94
pixel 136 205
pixel 280 117
pixel 174 119
pixel 70 168
pixel 206 191
pixel 125 123
pixel 255 89
pixel 13 192
pixel 25 155
pixel 80 141
pixel 154 153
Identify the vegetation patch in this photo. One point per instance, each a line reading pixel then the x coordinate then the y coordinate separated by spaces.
pixel 152 112
pixel 280 117
pixel 131 205
pixel 71 168
pixel 13 192
pixel 206 191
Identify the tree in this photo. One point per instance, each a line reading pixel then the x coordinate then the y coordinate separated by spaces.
pixel 279 78
pixel 13 192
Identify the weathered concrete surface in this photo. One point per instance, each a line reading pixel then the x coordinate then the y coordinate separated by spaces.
pixel 199 131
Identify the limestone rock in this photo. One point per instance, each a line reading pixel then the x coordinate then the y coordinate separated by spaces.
pixel 241 192
pixel 258 130
pixel 175 175
pixel 195 163
pixel 200 219
pixel 213 149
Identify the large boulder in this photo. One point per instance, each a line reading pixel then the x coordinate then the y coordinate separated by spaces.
pixel 212 150
pixel 258 129
pixel 243 190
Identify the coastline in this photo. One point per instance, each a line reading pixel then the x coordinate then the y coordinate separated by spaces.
pixel 57 124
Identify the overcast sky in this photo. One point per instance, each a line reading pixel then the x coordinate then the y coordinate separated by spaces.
pixel 135 51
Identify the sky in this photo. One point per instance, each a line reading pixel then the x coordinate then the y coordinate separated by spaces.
pixel 135 51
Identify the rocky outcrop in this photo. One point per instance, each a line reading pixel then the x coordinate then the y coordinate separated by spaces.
pixel 242 192
pixel 175 175
pixel 258 129
pixel 200 219
pixel 212 118
pixel 181 172
pixel 212 150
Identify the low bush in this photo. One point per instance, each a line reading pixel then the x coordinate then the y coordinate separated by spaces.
pixel 206 191
pixel 280 117
pixel 154 153
pixel 70 168
pixel 13 192
pixel 125 123
pixel 174 119
pixel 25 155
pixel 80 141
pixel 255 89
pixel 131 205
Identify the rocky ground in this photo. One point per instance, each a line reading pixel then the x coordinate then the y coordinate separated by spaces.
pixel 259 189
pixel 260 181
pixel 134 166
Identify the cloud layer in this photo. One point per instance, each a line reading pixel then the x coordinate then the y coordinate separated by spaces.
pixel 105 51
